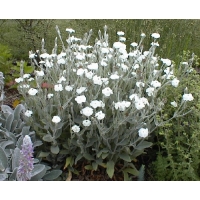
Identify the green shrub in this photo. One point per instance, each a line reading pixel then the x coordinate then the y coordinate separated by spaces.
pixel 179 140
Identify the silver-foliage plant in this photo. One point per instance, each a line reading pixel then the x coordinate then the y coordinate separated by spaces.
pixel 16 156
pixel 99 102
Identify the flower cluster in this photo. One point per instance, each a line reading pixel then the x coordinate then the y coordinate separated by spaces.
pixel 101 92
pixel 26 160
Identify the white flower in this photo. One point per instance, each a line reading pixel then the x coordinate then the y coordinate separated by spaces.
pixel 81 89
pixel 80 99
pixel 49 95
pixel 68 88
pixel 107 91
pixel 89 74
pixel 103 63
pixel 143 132
pixel 143 35
pixel 62 78
pixel 24 86
pixel 80 71
pixel 133 96
pixel 173 103
pixel 100 115
pixel 122 105
pixel 69 30
pixel 150 91
pixel 139 105
pixel 75 128
pixel 139 84
pixel 87 111
pixel 188 97
pixel 32 91
pixel 28 113
pixel 166 61
pixel 97 80
pixel 26 75
pixel 105 81
pixel 58 87
pixel 104 50
pixel 119 45
pixel 120 33
pixel 155 35
pixel 144 100
pixel 136 66
pixel 93 66
pixel 114 76
pixel 155 84
pixel 155 44
pixel 44 55
pixel 80 56
pixel 124 67
pixel 122 39
pixel 18 80
pixel 175 82
pixel 61 61
pixel 56 119
pixel 86 122
pixel 39 73
pixel 134 44
pixel 95 103
pixel 30 79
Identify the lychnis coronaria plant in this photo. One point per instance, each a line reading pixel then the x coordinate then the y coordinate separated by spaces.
pixel 100 102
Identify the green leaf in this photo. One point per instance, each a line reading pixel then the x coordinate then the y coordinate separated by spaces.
pixel 43 154
pixel 125 157
pixel 68 161
pixel 37 143
pixel 126 177
pixel 3 160
pixel 94 166
pixel 3 176
pixel 9 121
pixel 104 155
pixel 13 176
pixel 55 149
pixel 88 167
pixel 132 171
pixel 102 151
pixel 123 142
pixel 110 168
pixel 10 143
pixel 38 172
pixel 52 175
pixel 88 156
pixel 144 145
pixel 78 158
pixel 48 138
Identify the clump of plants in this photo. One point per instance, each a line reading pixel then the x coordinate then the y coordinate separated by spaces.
pixel 101 103
pixel 178 140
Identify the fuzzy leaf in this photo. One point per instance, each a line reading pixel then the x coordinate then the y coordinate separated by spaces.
pixel 9 121
pixel 3 160
pixel 6 109
pixel 37 143
pixel 125 157
pixel 104 155
pixel 19 142
pixel 17 111
pixel 4 144
pixel 55 149
pixel 52 175
pixel 3 176
pixel 13 176
pixel 15 158
pixel 110 168
pixel 25 130
pixel 48 138
pixel 144 145
pixel 14 125
pixel 38 172
pixel 123 142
